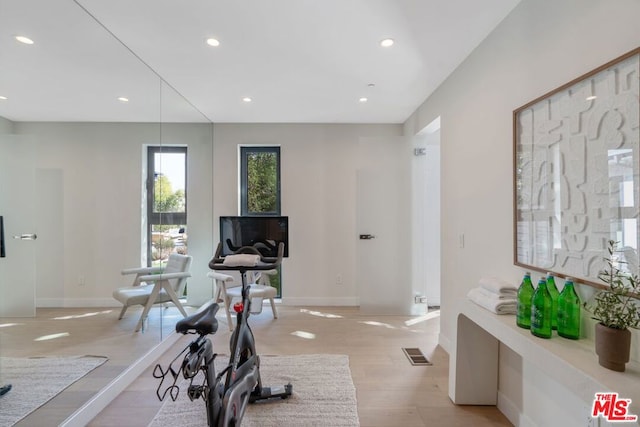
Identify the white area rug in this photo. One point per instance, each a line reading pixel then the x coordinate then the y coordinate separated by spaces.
pixel 35 380
pixel 323 395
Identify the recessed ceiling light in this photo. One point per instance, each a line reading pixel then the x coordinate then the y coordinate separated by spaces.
pixel 592 97
pixel 247 99
pixel 3 97
pixel 371 85
pixel 213 42
pixel 386 43
pixel 123 99
pixel 363 100
pixel 23 39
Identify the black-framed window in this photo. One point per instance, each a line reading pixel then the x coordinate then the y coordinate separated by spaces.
pixel 166 187
pixel 260 188
pixel 259 180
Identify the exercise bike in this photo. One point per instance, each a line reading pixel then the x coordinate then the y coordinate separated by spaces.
pixel 227 394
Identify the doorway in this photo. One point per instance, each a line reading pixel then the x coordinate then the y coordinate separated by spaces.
pixel 17 207
pixel 426 216
pixel 383 221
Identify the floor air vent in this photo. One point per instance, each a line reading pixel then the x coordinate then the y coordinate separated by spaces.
pixel 416 357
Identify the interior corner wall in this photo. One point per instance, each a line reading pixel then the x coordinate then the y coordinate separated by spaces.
pixel 540 46
pixel 6 126
pixel 318 185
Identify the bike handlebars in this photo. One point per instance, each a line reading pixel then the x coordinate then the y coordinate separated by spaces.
pixel 265 263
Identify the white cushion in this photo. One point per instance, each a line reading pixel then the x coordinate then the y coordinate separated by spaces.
pixel 255 291
pixel 138 295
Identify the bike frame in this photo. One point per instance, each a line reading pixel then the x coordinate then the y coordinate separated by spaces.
pixel 227 405
pixel 227 394
pixel 244 364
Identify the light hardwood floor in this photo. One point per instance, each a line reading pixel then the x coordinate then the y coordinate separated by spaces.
pixel 82 331
pixel 390 391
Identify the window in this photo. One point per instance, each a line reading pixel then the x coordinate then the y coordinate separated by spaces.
pixel 166 203
pixel 260 181
pixel 260 188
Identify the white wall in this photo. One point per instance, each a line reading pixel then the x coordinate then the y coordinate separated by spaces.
pixel 318 167
pixel 92 187
pixel 541 45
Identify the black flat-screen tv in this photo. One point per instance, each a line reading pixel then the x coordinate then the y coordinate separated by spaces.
pixel 262 232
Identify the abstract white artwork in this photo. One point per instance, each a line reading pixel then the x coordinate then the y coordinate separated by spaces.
pixel 577 173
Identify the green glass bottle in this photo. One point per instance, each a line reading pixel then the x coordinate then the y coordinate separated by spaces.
pixel 541 310
pixel 569 311
pixel 553 291
pixel 525 293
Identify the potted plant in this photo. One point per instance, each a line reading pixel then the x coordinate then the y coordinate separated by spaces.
pixel 616 310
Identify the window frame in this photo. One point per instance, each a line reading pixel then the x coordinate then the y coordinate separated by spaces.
pixel 245 151
pixel 160 218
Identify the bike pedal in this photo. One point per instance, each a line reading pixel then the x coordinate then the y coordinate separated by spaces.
pixel 195 391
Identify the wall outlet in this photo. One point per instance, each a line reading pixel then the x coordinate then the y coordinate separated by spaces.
pixel 339 279
pixel 593 422
pixel 81 281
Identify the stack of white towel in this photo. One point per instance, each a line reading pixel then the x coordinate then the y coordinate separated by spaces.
pixel 495 295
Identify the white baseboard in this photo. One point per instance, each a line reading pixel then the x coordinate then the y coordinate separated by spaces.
pixel 444 342
pixel 76 302
pixel 110 302
pixel 322 301
pixel 512 412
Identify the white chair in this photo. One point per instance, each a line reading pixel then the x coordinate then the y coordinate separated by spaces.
pixel 229 288
pixel 155 285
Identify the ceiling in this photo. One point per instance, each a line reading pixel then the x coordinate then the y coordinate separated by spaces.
pixel 300 61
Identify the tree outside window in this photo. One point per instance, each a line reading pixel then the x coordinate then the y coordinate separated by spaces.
pixel 166 203
pixel 260 181
pixel 167 200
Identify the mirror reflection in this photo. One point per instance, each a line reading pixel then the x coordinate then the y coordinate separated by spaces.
pixel 81 121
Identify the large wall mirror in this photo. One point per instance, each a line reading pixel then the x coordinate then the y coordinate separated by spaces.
pixel 72 167
pixel 577 173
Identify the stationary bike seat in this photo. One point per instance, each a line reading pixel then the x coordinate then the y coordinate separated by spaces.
pixel 202 322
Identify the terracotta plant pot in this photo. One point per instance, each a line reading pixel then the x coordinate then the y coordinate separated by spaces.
pixel 612 347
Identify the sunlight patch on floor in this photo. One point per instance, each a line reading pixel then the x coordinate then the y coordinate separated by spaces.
pixel 52 336
pixel 433 315
pixel 6 325
pixel 320 314
pixel 305 335
pixel 79 316
pixel 374 323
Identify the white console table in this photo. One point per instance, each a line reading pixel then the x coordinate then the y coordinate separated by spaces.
pixel 474 358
